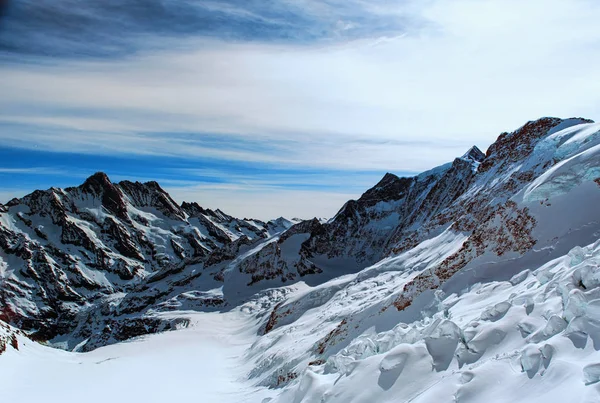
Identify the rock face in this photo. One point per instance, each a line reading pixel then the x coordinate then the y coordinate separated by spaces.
pixel 95 263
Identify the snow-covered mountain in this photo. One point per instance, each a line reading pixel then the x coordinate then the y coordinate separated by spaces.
pixel 66 251
pixel 475 280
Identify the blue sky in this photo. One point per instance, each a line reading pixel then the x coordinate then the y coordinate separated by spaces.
pixel 267 108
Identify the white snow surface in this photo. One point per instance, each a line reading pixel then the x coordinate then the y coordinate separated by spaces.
pixel 578 150
pixel 202 363
pixel 533 338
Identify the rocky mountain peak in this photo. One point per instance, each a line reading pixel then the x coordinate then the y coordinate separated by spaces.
pixel 474 154
pixel 13 202
pixel 154 185
pixel 150 194
pixel 96 183
pixel 514 146
pixel 99 185
pixel 281 221
pixel 390 187
pixel 193 209
pixel 220 214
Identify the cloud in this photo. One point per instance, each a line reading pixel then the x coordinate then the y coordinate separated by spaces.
pixel 404 103
pixel 33 170
pixel 66 28
pixel 355 86
pixel 323 155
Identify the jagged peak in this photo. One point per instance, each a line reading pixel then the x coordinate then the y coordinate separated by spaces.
pixel 99 180
pixel 99 176
pixel 347 211
pixel 35 195
pixel 221 215
pixel 474 154
pixel 312 226
pixel 389 177
pixel 112 199
pixel 150 187
pixel 14 201
pixel 151 194
pixel 390 187
pixel 280 222
pixel 154 185
pixel 194 209
pixel 191 206
pixel 280 219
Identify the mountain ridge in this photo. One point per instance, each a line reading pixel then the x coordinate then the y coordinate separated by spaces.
pixel 95 263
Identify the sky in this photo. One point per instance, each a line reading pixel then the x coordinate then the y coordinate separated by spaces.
pixel 268 108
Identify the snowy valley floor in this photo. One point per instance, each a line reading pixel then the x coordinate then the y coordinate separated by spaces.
pixel 203 363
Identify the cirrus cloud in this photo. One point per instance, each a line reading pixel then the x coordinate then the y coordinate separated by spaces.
pixel 352 86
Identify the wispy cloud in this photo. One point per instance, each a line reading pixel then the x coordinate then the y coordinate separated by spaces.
pixel 298 149
pixel 122 27
pixel 288 178
pixel 34 171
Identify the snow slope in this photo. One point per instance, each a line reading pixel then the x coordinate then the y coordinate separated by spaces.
pixel 533 338
pixel 201 363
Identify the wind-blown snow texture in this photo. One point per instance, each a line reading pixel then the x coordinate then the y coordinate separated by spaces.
pixel 477 280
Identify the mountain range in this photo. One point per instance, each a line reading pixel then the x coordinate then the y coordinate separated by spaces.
pixel 489 259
